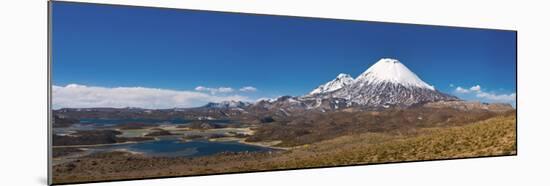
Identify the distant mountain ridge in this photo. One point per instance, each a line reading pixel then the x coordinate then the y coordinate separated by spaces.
pixel 227 104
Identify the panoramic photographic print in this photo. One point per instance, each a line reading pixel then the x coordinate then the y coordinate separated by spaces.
pixel 140 92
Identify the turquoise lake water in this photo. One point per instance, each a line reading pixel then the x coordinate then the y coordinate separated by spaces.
pixel 169 146
pixel 176 147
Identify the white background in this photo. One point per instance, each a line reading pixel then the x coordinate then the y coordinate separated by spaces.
pixel 23 91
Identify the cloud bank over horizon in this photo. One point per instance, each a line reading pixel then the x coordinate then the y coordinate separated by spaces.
pixel 476 92
pixel 82 96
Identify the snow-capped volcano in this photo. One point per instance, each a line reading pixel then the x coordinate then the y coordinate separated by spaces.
pixel 341 81
pixel 388 70
pixel 387 82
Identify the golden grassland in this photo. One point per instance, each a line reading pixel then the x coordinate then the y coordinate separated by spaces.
pixel 490 137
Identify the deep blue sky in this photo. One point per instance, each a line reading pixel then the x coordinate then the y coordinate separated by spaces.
pixel 113 46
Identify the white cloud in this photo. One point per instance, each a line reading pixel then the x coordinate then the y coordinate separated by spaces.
pixel 472 89
pixel 225 89
pixel 476 88
pixel 498 97
pixel 451 85
pixel 81 96
pixel 214 90
pixel 462 90
pixel 487 96
pixel 248 89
